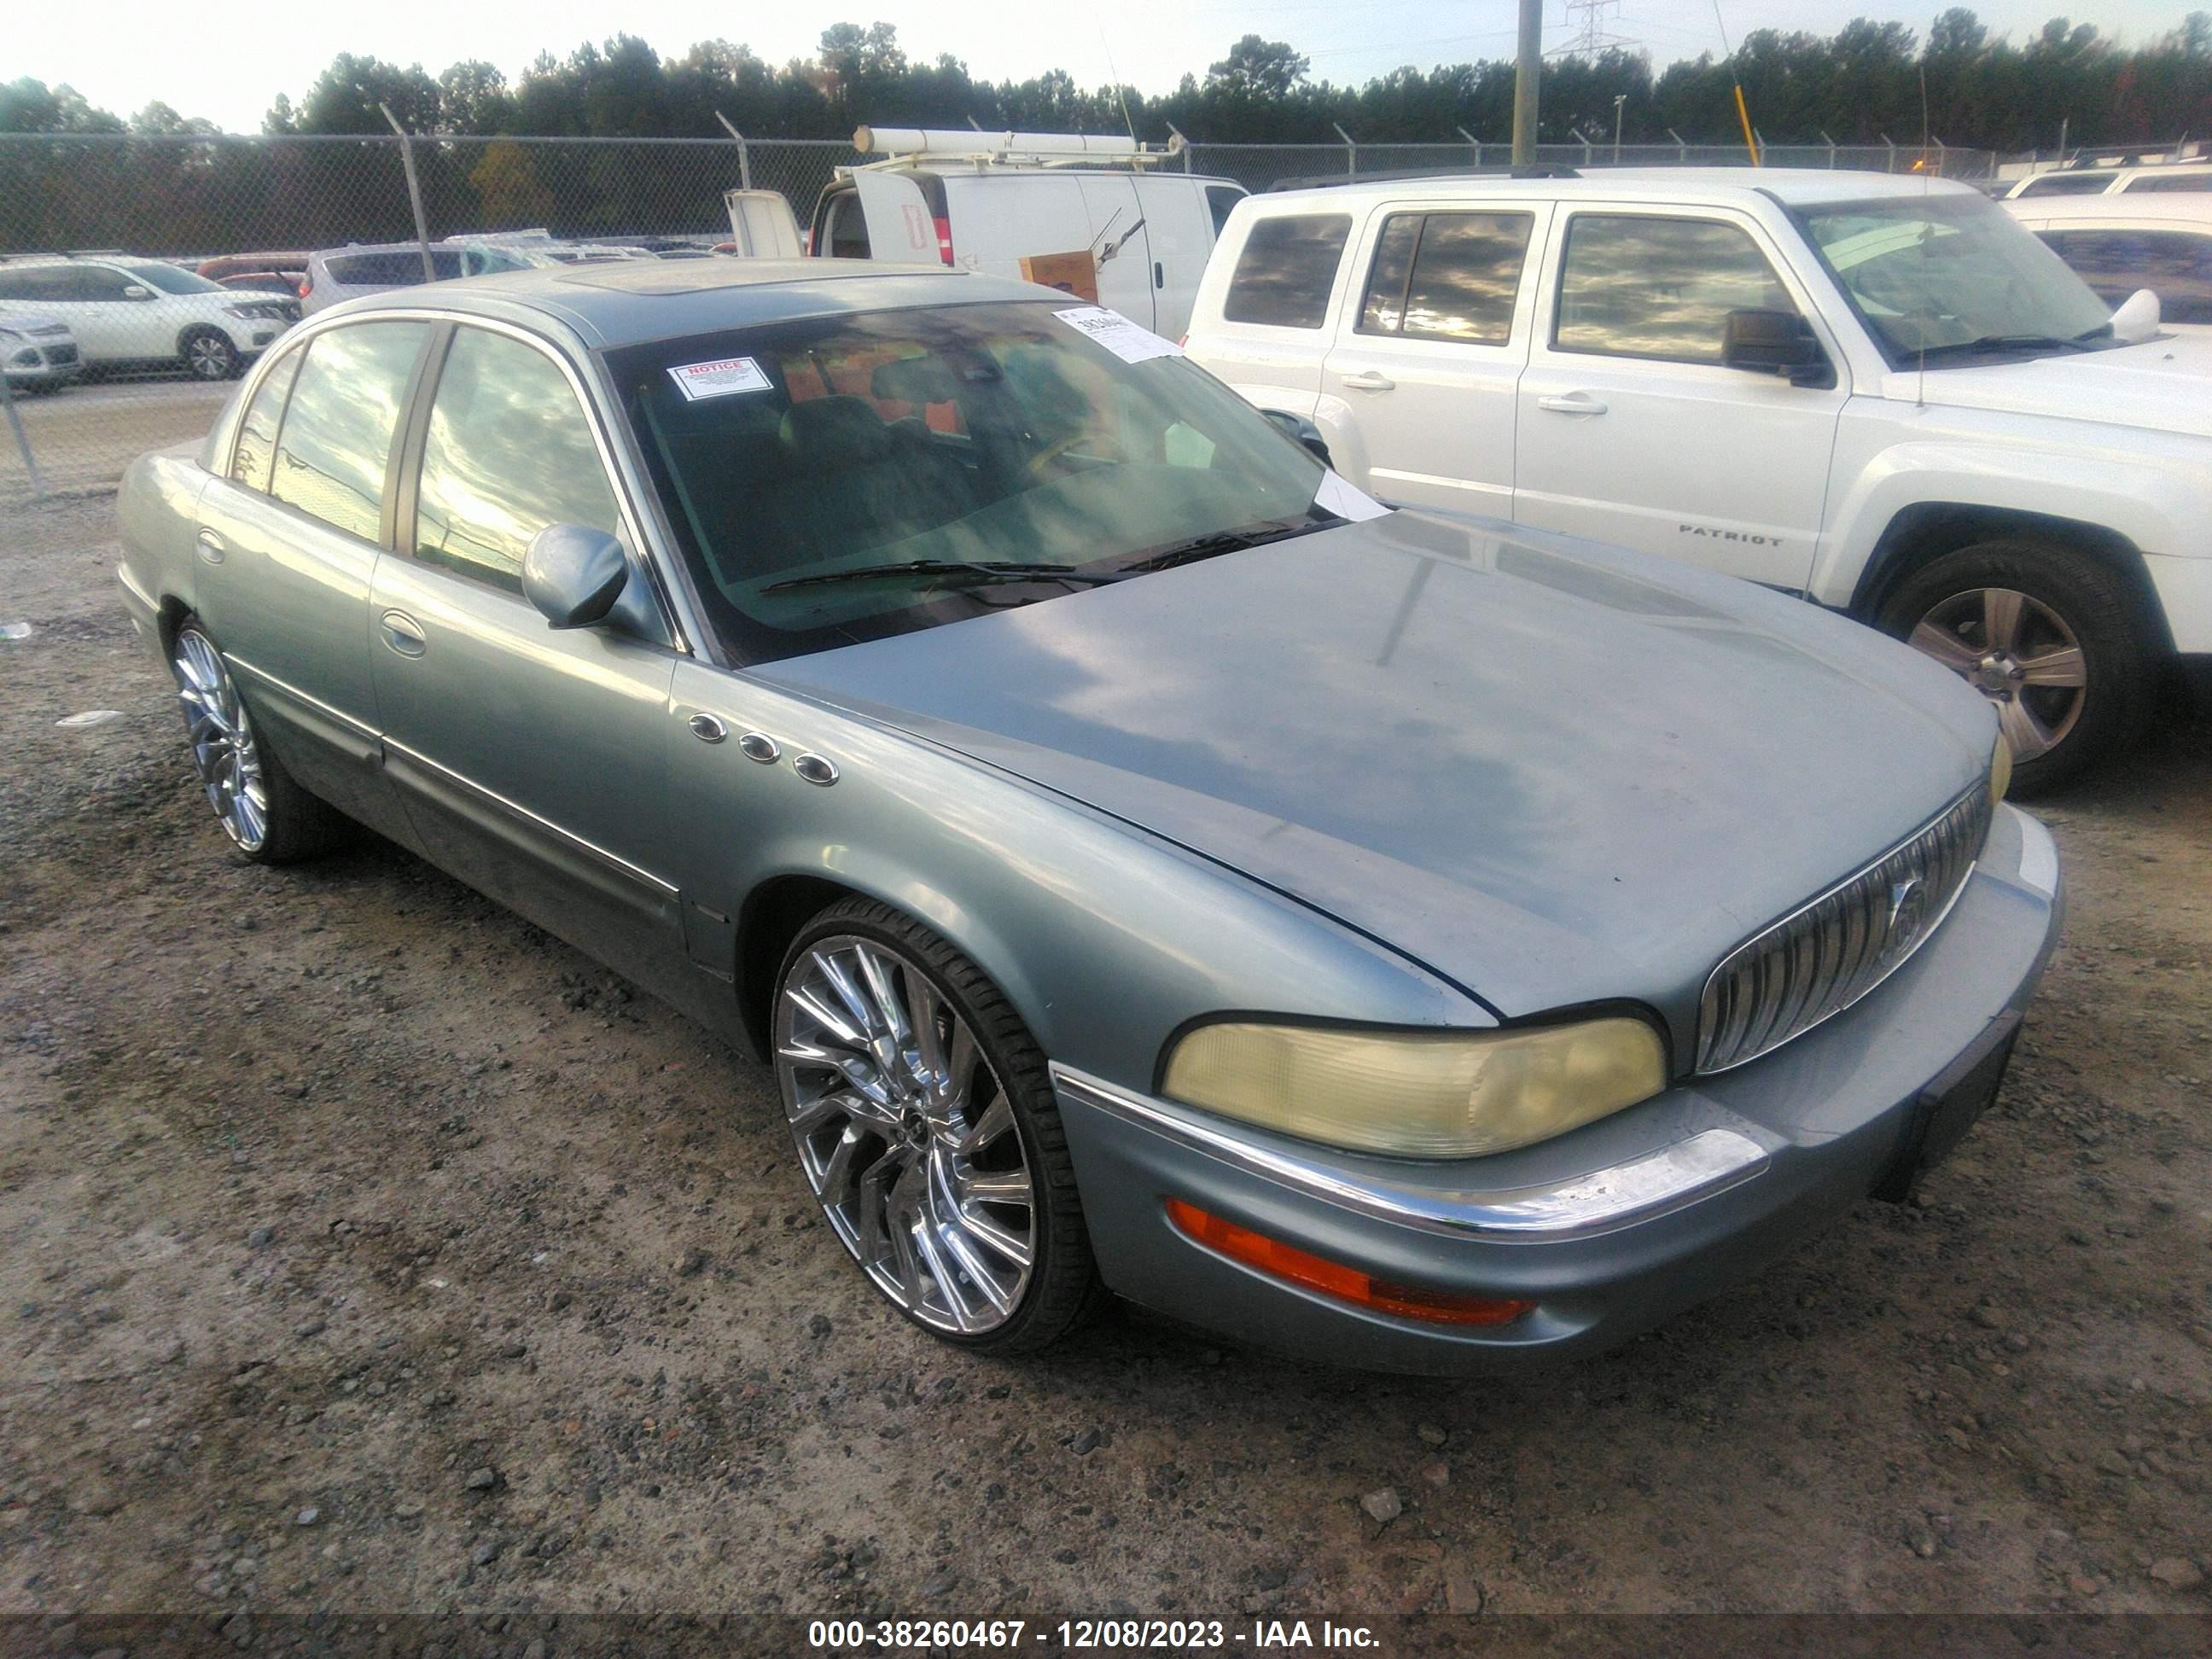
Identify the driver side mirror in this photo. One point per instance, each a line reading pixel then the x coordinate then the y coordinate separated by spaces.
pixel 133 291
pixel 1300 430
pixel 573 574
pixel 1774 343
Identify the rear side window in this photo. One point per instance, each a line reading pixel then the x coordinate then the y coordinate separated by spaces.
pixel 1221 201
pixel 509 451
pixel 2175 265
pixel 2179 181
pixel 336 436
pixel 1447 277
pixel 1288 266
pixel 2068 184
pixel 1636 287
pixel 32 284
pixel 257 431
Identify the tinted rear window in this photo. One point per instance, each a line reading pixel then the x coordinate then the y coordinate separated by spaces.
pixel 1285 271
pixel 2068 184
pixel 391 270
pixel 2179 181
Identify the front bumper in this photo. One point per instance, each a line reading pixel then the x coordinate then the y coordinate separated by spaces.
pixel 1610 1228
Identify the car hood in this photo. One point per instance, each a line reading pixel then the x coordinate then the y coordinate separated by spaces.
pixel 1551 772
pixel 2163 384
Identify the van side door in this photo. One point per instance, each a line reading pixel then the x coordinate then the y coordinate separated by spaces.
pixel 1631 430
pixel 1121 243
pixel 1418 394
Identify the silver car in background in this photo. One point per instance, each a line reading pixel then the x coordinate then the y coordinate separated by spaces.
pixel 37 352
pixel 1144 860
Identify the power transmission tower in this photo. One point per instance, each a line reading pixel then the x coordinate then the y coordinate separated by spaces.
pixel 1592 38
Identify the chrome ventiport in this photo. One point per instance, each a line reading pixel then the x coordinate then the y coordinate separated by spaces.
pixel 706 728
pixel 758 745
pixel 815 768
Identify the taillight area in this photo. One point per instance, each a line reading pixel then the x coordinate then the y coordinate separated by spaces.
pixel 944 238
pixel 306 283
pixel 1333 1278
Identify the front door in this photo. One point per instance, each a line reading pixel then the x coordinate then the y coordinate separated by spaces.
pixel 1421 375
pixel 1630 430
pixel 531 759
pixel 287 543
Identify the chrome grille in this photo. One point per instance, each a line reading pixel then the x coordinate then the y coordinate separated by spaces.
pixel 1824 956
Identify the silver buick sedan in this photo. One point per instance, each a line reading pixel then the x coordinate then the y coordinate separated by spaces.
pixel 1146 862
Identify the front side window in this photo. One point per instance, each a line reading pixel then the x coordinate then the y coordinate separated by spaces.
pixel 1953 278
pixel 1447 277
pixel 1284 275
pixel 98 283
pixel 172 279
pixel 257 428
pixel 508 451
pixel 843 478
pixel 2174 264
pixel 1636 287
pixel 336 441
pixel 2068 184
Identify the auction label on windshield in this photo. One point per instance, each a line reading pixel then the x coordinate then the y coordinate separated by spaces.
pixel 1118 334
pixel 719 379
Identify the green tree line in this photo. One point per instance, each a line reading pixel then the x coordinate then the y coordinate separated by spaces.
pixel 1857 86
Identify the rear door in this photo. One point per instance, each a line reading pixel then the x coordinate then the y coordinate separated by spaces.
pixel 1180 225
pixel 288 546
pixel 1629 429
pixel 901 226
pixel 530 759
pixel 1121 243
pixel 1417 395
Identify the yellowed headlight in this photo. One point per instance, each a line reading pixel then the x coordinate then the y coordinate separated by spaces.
pixel 2000 770
pixel 1419 1094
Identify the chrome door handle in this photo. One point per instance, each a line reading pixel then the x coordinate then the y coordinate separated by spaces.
pixel 210 546
pixel 402 633
pixel 1368 381
pixel 1572 402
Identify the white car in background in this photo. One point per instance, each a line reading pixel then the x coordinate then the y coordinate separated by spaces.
pixel 2118 244
pixel 2156 177
pixel 127 312
pixel 38 353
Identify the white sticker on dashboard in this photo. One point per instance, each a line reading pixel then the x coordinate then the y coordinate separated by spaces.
pixel 719 379
pixel 1131 343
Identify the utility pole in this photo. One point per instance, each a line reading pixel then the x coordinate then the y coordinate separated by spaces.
pixel 1527 79
pixel 1620 99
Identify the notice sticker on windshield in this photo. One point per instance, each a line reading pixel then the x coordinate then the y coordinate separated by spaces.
pixel 719 379
pixel 1118 334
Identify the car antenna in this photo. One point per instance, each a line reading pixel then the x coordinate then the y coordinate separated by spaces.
pixel 1120 91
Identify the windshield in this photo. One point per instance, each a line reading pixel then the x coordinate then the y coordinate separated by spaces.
pixel 797 461
pixel 1952 273
pixel 170 280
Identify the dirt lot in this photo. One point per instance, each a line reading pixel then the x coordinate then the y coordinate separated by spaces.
pixel 362 1249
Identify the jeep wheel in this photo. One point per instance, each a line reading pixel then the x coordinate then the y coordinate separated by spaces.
pixel 2048 634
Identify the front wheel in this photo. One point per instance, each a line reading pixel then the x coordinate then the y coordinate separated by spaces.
pixel 924 1120
pixel 2048 634
pixel 209 354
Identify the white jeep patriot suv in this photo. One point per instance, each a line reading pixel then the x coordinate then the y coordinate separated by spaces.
pixel 1880 392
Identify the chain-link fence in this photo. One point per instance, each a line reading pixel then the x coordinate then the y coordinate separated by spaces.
pixel 141 273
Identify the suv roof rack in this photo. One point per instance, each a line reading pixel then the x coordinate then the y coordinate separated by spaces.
pixel 1533 170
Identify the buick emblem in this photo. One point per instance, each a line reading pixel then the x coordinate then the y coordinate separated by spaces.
pixel 1908 914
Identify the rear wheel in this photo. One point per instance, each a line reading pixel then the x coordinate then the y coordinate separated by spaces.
pixel 924 1121
pixel 2048 634
pixel 210 354
pixel 267 817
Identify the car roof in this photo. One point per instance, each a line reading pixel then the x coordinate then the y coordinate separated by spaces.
pixel 631 301
pixel 1793 186
pixel 2156 206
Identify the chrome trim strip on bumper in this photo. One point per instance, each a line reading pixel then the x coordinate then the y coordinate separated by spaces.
pixel 1706 1163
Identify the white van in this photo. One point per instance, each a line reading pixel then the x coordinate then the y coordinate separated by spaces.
pixel 987 201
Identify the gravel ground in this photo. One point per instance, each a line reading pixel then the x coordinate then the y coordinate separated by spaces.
pixel 363 1249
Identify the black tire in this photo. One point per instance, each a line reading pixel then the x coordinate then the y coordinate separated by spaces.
pixel 1063 1285
pixel 2070 591
pixel 294 824
pixel 208 354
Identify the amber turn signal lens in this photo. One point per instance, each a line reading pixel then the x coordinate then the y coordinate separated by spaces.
pixel 1287 1263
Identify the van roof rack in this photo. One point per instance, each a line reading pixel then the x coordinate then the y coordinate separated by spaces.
pixel 914 147
pixel 1324 181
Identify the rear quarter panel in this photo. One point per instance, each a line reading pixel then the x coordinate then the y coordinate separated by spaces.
pixel 157 514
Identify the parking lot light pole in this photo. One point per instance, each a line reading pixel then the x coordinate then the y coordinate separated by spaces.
pixel 414 192
pixel 1619 103
pixel 1527 79
pixel 744 152
pixel 1351 153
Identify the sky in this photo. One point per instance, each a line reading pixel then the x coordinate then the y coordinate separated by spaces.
pixel 123 58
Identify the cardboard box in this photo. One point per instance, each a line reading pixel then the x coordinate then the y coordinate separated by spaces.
pixel 1073 273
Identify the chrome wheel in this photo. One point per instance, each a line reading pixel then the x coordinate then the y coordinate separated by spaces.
pixel 222 740
pixel 209 356
pixel 907 1135
pixel 2017 652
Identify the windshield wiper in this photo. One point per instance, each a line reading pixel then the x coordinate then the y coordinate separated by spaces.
pixel 1995 342
pixel 1224 541
pixel 968 569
